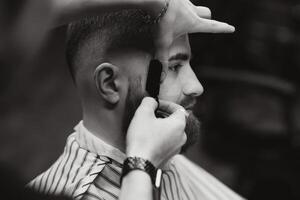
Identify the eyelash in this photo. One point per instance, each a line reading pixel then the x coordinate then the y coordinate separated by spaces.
pixel 175 67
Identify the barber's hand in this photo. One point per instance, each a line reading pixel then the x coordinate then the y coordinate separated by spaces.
pixel 156 139
pixel 183 17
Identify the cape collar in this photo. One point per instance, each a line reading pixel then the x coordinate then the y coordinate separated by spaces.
pixel 94 144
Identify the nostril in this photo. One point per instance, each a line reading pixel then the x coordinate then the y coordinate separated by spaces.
pixel 195 89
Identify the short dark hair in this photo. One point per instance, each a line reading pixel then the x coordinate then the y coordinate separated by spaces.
pixel 110 31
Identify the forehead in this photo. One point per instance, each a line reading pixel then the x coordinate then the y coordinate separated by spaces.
pixel 180 45
pixel 134 61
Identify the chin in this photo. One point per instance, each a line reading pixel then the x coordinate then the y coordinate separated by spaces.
pixel 192 130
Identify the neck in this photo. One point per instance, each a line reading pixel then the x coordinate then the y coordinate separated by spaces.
pixel 106 126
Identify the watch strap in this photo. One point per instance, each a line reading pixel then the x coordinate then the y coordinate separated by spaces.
pixel 137 163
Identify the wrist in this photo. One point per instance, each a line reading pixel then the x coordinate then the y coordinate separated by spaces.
pixel 137 174
pixel 142 154
pixel 136 185
pixel 140 164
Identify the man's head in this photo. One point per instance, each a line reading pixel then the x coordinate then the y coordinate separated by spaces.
pixel 109 57
pixel 94 40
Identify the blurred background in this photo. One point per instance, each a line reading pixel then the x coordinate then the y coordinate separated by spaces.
pixel 250 109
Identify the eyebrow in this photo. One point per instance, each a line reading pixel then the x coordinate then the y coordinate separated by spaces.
pixel 180 56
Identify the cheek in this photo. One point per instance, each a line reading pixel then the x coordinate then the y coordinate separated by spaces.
pixel 170 90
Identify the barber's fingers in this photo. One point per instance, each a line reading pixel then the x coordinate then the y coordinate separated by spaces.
pixel 211 26
pixel 173 109
pixel 180 115
pixel 168 106
pixel 148 105
pixel 203 12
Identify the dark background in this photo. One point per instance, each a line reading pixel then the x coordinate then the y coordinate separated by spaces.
pixel 250 108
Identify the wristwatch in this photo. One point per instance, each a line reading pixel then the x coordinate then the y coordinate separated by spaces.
pixel 137 163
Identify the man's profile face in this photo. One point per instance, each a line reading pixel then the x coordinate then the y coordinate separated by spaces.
pixel 180 86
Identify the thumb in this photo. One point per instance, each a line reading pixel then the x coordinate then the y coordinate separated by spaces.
pixel 211 26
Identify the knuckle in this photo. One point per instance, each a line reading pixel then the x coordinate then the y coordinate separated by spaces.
pixel 147 103
pixel 147 100
pixel 214 24
pixel 195 22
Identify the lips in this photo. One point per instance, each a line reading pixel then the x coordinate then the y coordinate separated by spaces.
pixel 189 107
pixel 188 104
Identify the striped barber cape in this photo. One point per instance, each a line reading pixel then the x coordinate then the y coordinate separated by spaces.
pixel 91 169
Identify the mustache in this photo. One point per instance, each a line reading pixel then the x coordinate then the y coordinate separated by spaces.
pixel 188 102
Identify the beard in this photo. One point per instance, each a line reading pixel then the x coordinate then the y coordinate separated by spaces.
pixel 192 130
pixel 134 98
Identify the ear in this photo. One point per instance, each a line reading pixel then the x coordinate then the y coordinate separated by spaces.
pixel 105 76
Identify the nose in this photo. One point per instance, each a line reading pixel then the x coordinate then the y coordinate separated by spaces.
pixel 191 84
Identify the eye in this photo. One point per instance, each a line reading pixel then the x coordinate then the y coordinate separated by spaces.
pixel 175 67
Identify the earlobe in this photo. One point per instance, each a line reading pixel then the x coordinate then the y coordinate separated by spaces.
pixel 105 77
